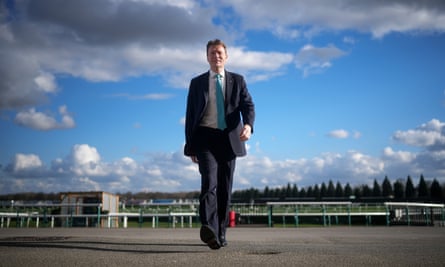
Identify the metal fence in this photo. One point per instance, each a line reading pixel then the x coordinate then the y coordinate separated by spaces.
pixel 269 214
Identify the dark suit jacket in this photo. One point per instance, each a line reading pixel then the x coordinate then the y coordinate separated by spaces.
pixel 238 102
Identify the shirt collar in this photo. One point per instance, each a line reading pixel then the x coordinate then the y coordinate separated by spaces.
pixel 213 74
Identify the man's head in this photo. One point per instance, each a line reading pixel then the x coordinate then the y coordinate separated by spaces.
pixel 216 55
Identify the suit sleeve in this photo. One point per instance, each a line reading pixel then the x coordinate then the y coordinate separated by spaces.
pixel 247 107
pixel 189 121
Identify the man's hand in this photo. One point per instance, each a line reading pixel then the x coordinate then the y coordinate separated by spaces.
pixel 246 132
pixel 194 159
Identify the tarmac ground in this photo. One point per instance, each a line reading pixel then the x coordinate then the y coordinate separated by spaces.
pixel 248 246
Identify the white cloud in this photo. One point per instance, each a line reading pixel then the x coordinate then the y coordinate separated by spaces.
pixel 182 120
pixel 84 169
pixel 67 119
pixel 341 134
pixel 85 160
pixel 239 58
pixel 430 135
pixel 86 184
pixel 97 41
pixel 349 40
pixel 46 82
pixel 398 156
pixel 44 122
pixel 312 59
pixel 357 134
pixel 153 96
pixel 310 18
pixel 113 41
pixel 26 162
pixel 116 39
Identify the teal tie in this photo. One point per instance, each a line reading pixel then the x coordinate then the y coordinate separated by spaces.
pixel 220 103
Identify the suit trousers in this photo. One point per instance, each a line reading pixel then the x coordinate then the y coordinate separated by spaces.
pixel 216 166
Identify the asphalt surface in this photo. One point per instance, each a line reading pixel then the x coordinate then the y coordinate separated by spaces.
pixel 330 246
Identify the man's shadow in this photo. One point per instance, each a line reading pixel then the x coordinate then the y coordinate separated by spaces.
pixel 106 246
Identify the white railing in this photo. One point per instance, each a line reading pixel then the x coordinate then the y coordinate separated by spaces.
pixel 23 219
pixel 406 211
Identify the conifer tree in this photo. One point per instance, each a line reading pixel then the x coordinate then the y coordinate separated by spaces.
pixel 423 188
pixel 399 191
pixel 436 191
pixel 339 190
pixel 323 190
pixel 410 192
pixel 331 189
pixel 387 188
pixel 348 191
pixel 376 190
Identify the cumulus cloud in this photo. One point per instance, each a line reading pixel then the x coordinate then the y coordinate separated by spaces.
pixel 26 162
pixel 301 18
pixel 84 169
pixel 159 96
pixel 353 167
pixel 109 40
pixel 92 40
pixel 182 120
pixel 341 134
pixel 112 40
pixel 85 160
pixel 430 135
pixel 46 82
pixel 45 122
pixel 312 59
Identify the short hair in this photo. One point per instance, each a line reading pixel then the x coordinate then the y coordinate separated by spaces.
pixel 215 42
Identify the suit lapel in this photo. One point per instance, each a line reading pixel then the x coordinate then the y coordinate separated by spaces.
pixel 229 88
pixel 205 85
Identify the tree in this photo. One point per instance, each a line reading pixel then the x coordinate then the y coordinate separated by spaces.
pixel 310 192
pixel 376 190
pixel 423 188
pixel 339 190
pixel 410 191
pixel 276 192
pixel 331 189
pixel 253 194
pixel 266 192
pixel 294 191
pixel 387 188
pixel 303 193
pixel 288 191
pixel 358 192
pixel 399 190
pixel 366 191
pixel 323 190
pixel 436 191
pixel 316 192
pixel 348 191
pixel 283 192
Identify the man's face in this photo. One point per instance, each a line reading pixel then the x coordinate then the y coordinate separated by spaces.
pixel 216 56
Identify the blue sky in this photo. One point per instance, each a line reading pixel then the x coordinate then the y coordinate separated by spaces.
pixel 92 93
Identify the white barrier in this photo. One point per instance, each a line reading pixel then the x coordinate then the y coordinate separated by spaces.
pixel 7 217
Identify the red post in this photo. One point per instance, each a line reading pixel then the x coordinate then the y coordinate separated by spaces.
pixel 232 216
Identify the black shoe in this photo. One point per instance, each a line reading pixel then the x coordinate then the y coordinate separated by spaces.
pixel 223 241
pixel 208 236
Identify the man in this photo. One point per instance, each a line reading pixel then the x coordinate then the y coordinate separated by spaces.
pixel 215 134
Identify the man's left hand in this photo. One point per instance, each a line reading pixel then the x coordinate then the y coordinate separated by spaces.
pixel 246 132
